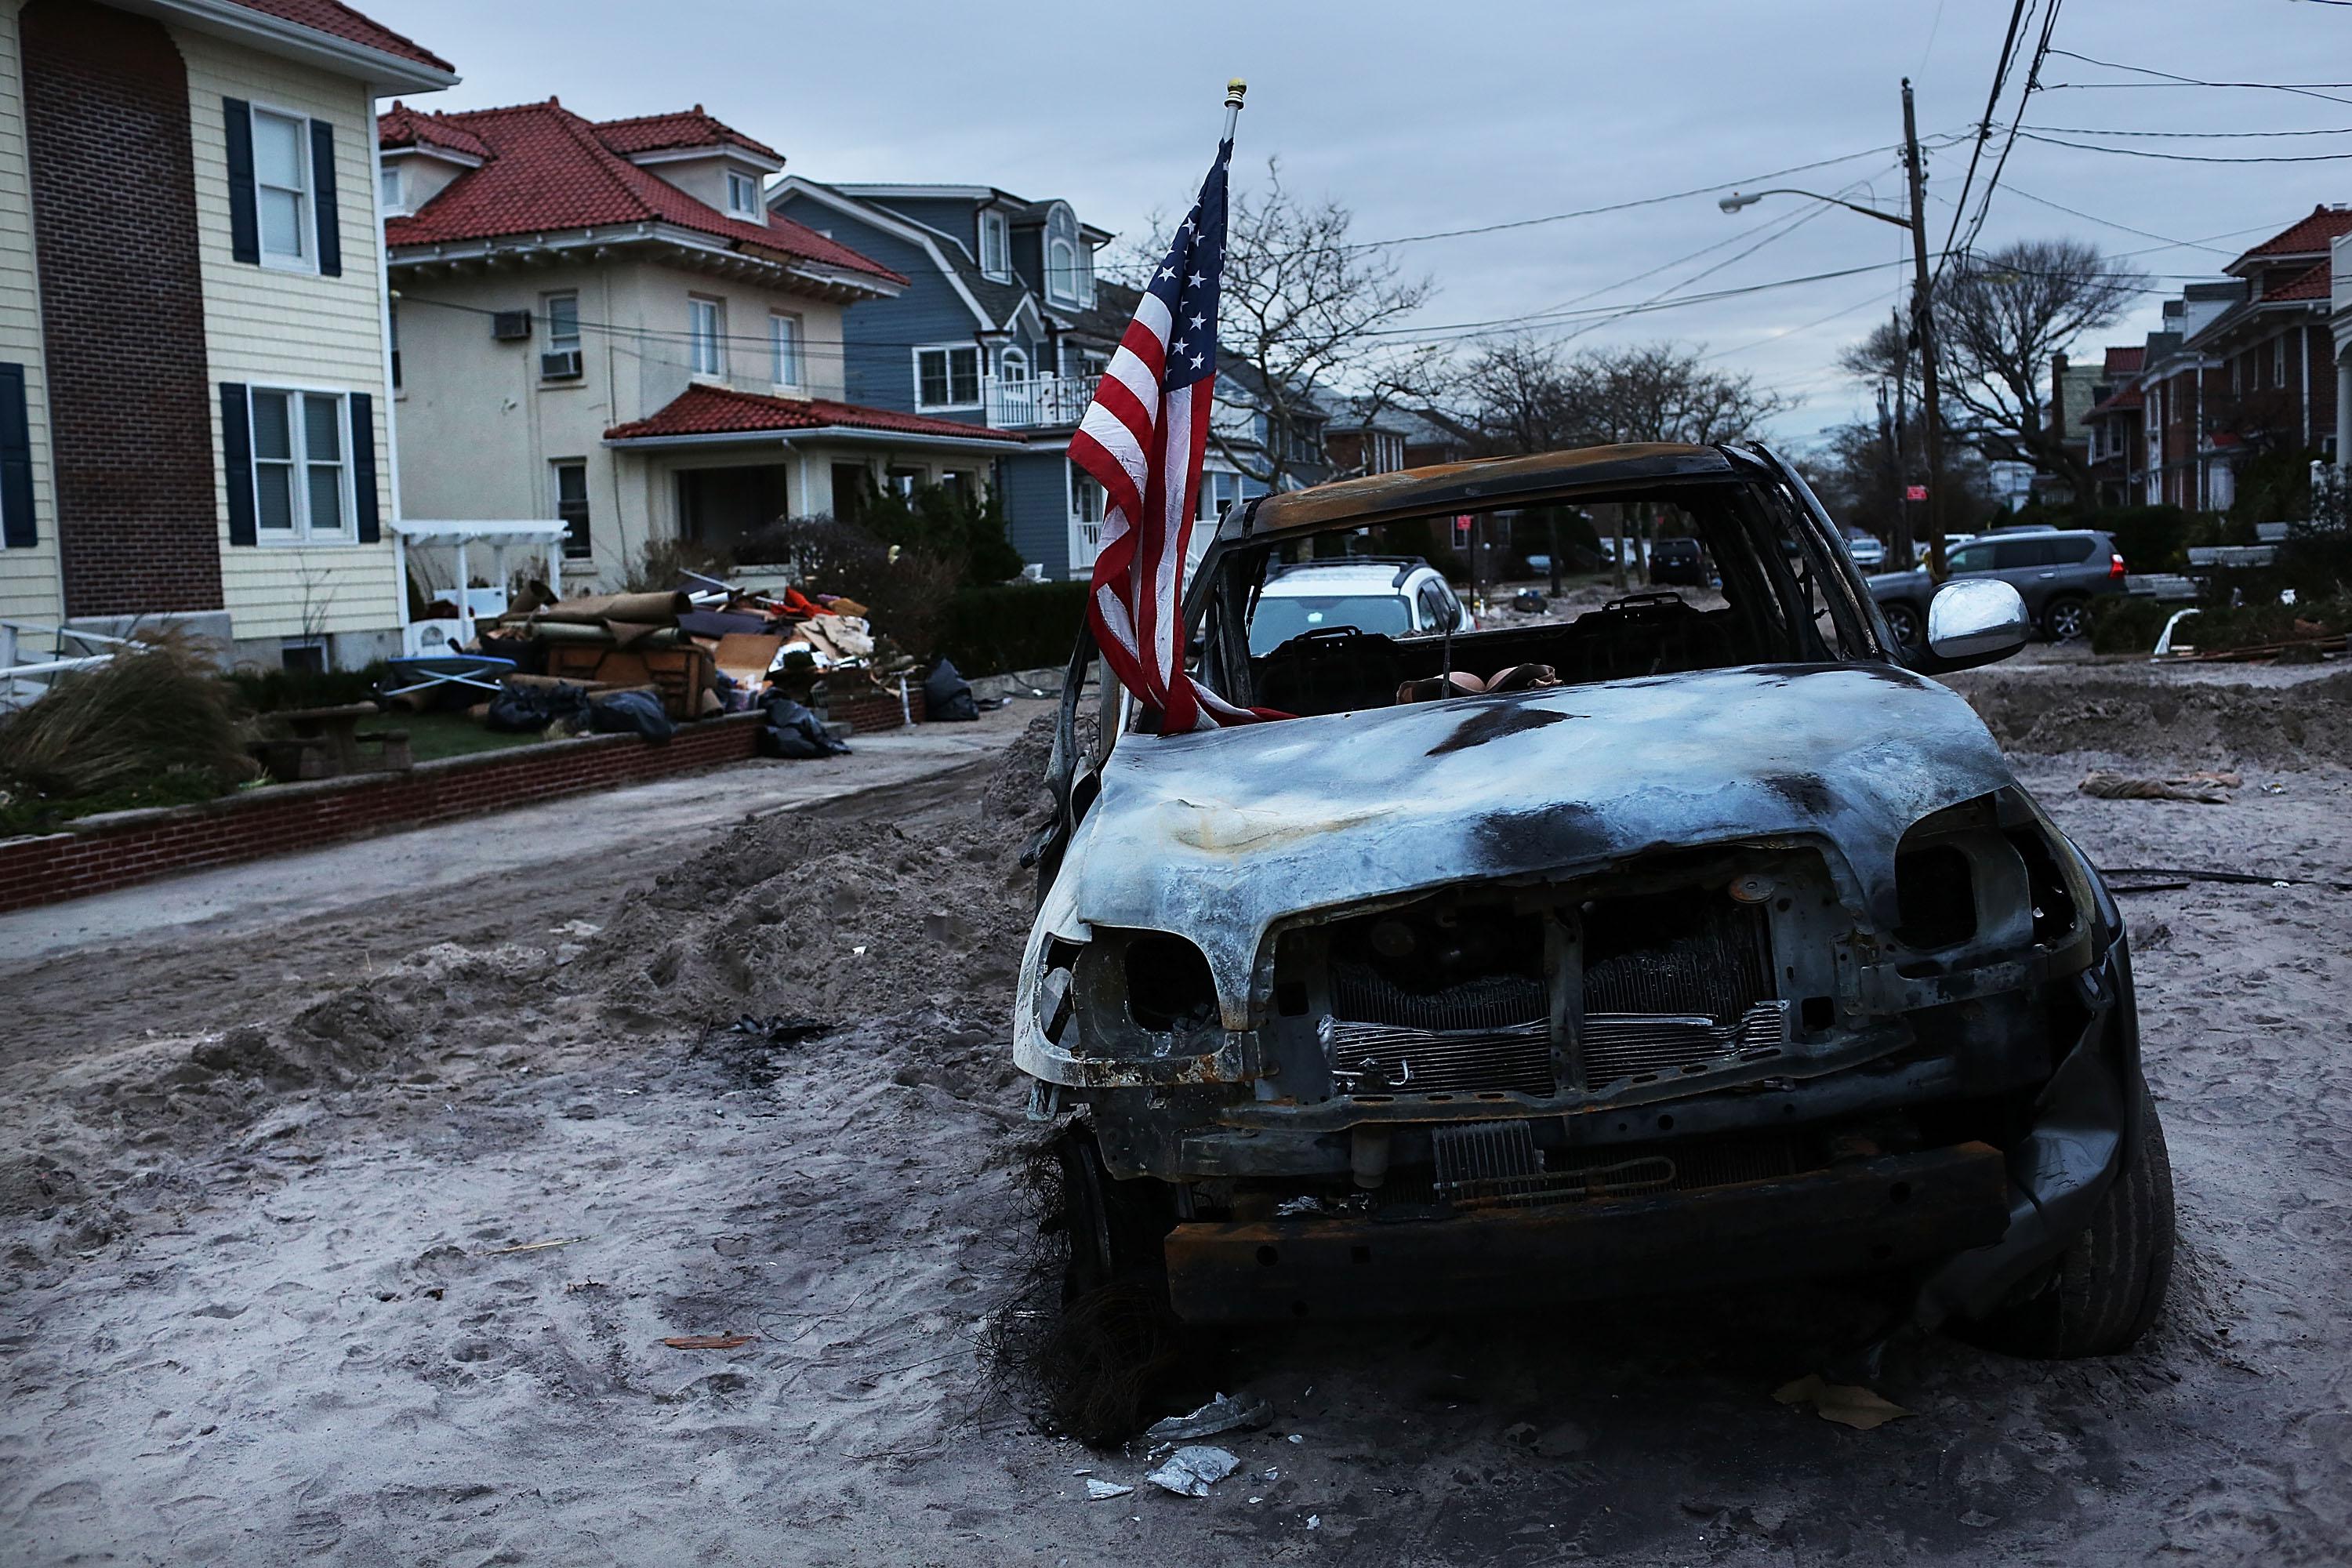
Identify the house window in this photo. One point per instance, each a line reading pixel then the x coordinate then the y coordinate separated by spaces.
pixel 742 194
pixel 391 332
pixel 784 348
pixel 2278 361
pixel 281 184
pixel 388 186
pixel 1013 366
pixel 993 246
pixel 947 378
pixel 570 476
pixel 1087 499
pixel 1085 275
pixel 702 333
pixel 1061 256
pixel 301 465
pixel 905 482
pixel 959 483
pixel 1218 492
pixel 563 321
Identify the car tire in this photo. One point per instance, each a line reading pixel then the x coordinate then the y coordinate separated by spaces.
pixel 1115 1227
pixel 2107 1288
pixel 1903 622
pixel 2066 619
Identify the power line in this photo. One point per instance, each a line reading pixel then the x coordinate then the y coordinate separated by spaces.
pixel 2001 63
pixel 2188 157
pixel 1457 331
pixel 1615 206
pixel 2110 223
pixel 1878 299
pixel 2183 135
pixel 2033 79
pixel 2305 88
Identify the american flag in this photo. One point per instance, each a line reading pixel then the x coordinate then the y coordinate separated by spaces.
pixel 1142 439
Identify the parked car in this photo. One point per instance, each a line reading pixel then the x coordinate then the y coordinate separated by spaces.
pixel 1393 595
pixel 1685 949
pixel 2057 574
pixel 1678 562
pixel 1868 553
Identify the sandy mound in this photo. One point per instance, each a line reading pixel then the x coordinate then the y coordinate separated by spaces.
pixel 2129 714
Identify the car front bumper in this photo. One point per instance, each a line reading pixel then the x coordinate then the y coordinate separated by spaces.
pixel 1855 1217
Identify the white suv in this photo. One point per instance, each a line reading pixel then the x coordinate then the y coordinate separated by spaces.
pixel 1394 595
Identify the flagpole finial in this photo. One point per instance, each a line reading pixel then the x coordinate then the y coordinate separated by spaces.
pixel 1234 91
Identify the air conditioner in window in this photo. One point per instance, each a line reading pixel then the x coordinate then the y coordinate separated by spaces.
pixel 510 326
pixel 560 364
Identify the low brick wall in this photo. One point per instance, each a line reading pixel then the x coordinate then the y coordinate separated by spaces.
pixel 865 714
pixel 121 848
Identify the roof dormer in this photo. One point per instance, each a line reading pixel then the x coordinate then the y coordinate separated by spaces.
pixel 421 155
pixel 708 160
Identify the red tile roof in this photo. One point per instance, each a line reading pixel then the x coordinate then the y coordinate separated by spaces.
pixel 717 411
pixel 2305 236
pixel 2309 284
pixel 660 132
pixel 548 171
pixel 404 127
pixel 342 22
pixel 2118 402
pixel 2124 360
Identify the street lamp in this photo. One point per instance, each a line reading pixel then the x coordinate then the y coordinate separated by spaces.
pixel 1923 326
pixel 1736 200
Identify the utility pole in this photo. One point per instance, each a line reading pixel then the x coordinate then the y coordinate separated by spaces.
pixel 1909 558
pixel 1923 323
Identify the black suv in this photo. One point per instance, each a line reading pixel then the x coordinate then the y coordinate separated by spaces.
pixel 1678 560
pixel 2057 574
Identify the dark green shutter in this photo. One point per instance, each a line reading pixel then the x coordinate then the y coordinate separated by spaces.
pixel 236 461
pixel 364 468
pixel 16 526
pixel 322 186
pixel 244 218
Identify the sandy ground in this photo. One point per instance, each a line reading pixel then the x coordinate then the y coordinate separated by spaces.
pixel 347 1226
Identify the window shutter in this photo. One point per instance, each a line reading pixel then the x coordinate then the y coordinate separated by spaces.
pixel 244 219
pixel 322 199
pixel 17 527
pixel 236 461
pixel 370 526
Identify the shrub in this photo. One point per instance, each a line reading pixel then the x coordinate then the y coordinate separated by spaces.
pixel 2126 622
pixel 1014 626
pixel 2149 538
pixel 156 718
pixel 274 691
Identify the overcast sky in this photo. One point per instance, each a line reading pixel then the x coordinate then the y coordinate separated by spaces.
pixel 1442 114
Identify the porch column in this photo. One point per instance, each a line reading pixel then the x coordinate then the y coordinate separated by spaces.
pixel 2343 409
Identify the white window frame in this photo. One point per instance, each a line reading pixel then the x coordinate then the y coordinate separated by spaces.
pixel 1086 273
pixel 950 351
pixel 784 333
pixel 2278 361
pixel 392 190
pixel 1061 234
pixel 1013 367
pixel 993 224
pixel 555 467
pixel 306 531
pixel 305 221
pixel 706 350
pixel 739 181
pixel 559 341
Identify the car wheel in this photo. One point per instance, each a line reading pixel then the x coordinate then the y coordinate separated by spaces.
pixel 1903 621
pixel 1115 1227
pixel 2106 1288
pixel 2066 620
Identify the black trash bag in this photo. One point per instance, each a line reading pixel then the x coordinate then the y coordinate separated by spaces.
pixel 527 709
pixel 794 732
pixel 947 696
pixel 631 713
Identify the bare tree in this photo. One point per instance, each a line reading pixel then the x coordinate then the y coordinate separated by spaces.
pixel 1305 317
pixel 1526 396
pixel 2000 317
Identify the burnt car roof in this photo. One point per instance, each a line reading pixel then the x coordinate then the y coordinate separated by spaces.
pixel 1485 483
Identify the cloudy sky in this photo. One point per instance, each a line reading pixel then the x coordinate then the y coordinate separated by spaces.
pixel 1447 114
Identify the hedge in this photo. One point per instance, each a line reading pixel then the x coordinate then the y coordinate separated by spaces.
pixel 1014 626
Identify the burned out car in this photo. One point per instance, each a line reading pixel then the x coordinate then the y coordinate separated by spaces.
pixel 1698 940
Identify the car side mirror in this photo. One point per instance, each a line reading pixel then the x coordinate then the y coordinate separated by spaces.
pixel 1974 621
pixel 1444 610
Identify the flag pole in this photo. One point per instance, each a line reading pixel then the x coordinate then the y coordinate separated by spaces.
pixel 1234 91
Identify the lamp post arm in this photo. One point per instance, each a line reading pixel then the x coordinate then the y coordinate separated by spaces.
pixel 1746 197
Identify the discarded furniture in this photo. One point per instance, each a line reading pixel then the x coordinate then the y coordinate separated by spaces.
pixel 327 743
pixel 479 671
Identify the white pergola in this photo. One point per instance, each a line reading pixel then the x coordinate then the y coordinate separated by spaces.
pixel 500 535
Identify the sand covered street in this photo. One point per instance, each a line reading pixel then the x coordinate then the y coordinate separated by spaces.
pixel 348 1227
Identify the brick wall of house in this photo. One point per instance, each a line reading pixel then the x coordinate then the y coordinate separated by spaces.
pixel 113 184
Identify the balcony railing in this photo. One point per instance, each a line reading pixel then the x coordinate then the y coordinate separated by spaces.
pixel 1036 400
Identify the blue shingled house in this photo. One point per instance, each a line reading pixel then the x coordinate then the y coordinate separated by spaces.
pixel 1003 324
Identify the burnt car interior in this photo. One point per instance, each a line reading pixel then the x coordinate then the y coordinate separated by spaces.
pixel 1775 606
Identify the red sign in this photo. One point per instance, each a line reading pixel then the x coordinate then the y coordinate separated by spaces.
pixel 1915 492
pixel 1461 532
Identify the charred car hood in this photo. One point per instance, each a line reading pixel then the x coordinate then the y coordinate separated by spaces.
pixel 1218 834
